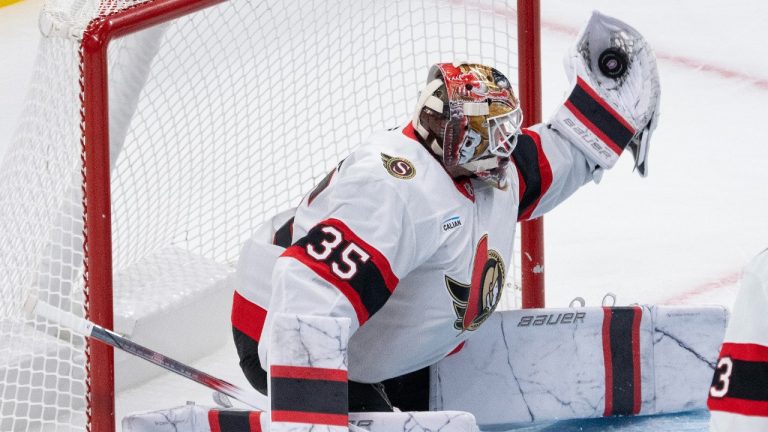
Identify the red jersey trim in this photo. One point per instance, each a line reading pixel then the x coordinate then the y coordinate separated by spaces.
pixel 457 349
pixel 545 174
pixel 410 131
pixel 248 317
pixel 738 406
pixel 745 351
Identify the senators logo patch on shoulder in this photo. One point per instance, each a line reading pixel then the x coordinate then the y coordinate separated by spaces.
pixel 398 167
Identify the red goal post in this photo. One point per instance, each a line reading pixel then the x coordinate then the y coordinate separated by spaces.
pixel 476 30
pixel 100 389
pixel 529 84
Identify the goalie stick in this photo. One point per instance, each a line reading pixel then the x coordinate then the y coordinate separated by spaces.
pixel 35 307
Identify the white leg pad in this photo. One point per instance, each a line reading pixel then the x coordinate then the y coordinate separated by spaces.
pixel 546 364
pixel 196 418
pixel 186 418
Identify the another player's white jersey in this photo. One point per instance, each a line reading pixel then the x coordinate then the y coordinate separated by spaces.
pixel 414 257
pixel 738 397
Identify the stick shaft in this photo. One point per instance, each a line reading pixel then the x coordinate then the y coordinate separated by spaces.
pixel 113 339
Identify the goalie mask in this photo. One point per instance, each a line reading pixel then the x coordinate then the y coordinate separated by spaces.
pixel 469 116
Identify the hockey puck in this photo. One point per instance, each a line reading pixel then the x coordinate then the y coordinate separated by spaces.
pixel 613 63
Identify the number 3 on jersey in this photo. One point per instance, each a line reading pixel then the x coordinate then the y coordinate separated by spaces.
pixel 723 378
pixel 345 269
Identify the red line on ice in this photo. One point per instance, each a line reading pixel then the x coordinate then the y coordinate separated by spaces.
pixel 685 62
pixel 707 287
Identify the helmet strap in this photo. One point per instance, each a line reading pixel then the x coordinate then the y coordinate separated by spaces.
pixel 435 147
pixel 481 165
pixel 426 99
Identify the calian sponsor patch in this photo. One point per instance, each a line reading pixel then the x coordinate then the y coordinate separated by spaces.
pixel 451 223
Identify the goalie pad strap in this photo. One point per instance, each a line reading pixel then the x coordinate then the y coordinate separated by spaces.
pixel 621 352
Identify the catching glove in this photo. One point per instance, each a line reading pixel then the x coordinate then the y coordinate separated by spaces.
pixel 614 102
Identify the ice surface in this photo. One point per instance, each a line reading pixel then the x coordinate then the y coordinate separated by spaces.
pixel 692 421
pixel 681 236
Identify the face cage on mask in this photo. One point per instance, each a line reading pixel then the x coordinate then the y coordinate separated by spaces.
pixel 503 131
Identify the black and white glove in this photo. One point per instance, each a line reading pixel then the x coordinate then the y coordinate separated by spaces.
pixel 614 102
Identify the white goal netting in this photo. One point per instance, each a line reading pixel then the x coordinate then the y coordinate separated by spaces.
pixel 217 121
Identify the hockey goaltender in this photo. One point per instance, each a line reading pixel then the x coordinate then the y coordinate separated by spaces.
pixel 401 251
pixel 410 236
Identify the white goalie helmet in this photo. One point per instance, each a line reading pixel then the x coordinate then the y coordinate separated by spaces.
pixel 469 117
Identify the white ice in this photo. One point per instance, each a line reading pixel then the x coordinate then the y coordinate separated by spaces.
pixel 681 236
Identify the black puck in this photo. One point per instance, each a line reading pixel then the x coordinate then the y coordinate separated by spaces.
pixel 613 63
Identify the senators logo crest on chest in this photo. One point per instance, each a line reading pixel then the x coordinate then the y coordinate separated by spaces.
pixel 474 302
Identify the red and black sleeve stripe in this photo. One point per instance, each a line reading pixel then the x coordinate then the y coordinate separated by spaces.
pixel 234 421
pixel 599 117
pixel 621 353
pixel 743 381
pixel 248 317
pixel 533 170
pixel 357 269
pixel 309 395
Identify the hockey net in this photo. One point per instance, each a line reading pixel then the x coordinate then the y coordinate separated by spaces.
pixel 208 124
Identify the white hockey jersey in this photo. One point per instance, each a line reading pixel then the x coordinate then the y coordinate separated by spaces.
pixel 415 258
pixel 738 398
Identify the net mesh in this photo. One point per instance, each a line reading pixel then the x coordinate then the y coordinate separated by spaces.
pixel 218 120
